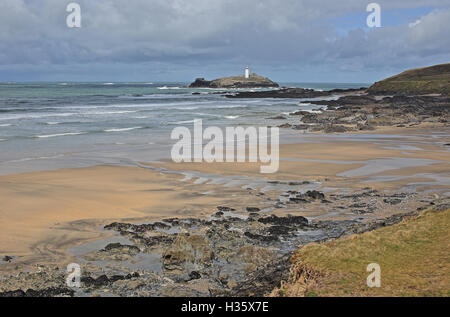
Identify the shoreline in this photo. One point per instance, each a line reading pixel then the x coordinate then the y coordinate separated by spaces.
pixel 67 216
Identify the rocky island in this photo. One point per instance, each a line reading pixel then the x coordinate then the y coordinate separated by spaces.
pixel 250 81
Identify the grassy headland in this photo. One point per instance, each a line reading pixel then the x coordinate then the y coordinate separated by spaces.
pixel 413 256
pixel 428 80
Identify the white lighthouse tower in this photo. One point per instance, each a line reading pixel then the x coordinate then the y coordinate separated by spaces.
pixel 247 73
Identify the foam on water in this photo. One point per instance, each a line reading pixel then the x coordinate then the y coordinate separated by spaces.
pixel 95 123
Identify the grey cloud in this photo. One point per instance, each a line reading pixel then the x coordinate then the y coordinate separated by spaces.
pixel 194 32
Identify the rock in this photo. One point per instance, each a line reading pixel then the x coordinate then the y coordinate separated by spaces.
pixel 392 201
pixel 361 211
pixel 104 280
pixel 280 230
pixel 298 200
pixel 262 281
pixel 332 128
pixel 46 292
pixel 187 251
pixel 314 194
pixel 254 81
pixel 224 208
pixel 200 83
pixel 365 127
pixel 122 248
pixel 301 127
pixel 306 197
pixel 253 209
pixel 286 221
pixel 16 293
pixel 7 258
pixel 194 275
pixel 281 93
pixel 261 238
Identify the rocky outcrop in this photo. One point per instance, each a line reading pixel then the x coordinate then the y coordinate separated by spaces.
pixel 46 292
pixel 255 81
pixel 230 253
pixel 292 93
pixel 359 113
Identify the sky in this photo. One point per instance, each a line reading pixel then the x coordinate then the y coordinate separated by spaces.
pixel 179 40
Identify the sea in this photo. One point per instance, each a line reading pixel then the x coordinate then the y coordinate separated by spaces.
pixel 47 126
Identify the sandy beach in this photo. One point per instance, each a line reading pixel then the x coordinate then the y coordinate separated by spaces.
pixel 44 214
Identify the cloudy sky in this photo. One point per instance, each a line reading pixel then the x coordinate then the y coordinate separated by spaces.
pixel 178 40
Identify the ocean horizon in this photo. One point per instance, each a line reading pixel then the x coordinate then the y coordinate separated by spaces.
pixel 53 125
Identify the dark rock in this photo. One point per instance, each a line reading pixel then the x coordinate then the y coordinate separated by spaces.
pixel 281 93
pixel 333 128
pixel 279 230
pixel 298 200
pixel 16 293
pixel 262 281
pixel 314 194
pixel 365 127
pixel 7 258
pixel 284 221
pixel 299 183
pixel 224 208
pixel 253 209
pixel 392 201
pixel 113 246
pixel 104 280
pixel 361 211
pixel 194 275
pixel 46 292
pixel 161 225
pixel 301 127
pixel 358 205
pixel 261 238
pixel 200 83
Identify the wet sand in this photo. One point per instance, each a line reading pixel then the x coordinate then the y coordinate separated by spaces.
pixel 42 214
pixel 45 213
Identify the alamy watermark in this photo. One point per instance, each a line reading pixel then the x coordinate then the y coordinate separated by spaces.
pixel 374 18
pixel 74 275
pixel 73 20
pixel 374 278
pixel 228 145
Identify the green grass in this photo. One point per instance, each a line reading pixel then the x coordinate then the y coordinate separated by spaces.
pixel 413 256
pixel 428 80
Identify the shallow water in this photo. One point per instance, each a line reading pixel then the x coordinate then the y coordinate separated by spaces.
pixel 386 164
pixel 61 125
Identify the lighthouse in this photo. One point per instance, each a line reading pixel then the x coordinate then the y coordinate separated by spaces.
pixel 247 73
